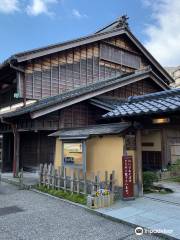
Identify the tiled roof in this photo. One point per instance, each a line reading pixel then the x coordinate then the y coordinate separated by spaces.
pixel 70 95
pixel 86 132
pixel 154 103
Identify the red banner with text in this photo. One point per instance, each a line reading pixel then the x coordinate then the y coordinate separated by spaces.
pixel 128 191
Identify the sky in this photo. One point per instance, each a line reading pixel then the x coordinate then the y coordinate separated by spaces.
pixel 28 24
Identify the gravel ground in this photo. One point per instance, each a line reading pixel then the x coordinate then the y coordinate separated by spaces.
pixel 44 218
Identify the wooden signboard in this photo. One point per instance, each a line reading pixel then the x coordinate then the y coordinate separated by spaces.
pixel 130 141
pixel 128 191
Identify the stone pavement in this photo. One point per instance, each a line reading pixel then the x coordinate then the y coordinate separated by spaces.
pixel 148 213
pixel 26 215
pixel 29 179
pixel 171 198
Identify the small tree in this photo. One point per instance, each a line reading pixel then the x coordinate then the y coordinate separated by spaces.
pixel 148 179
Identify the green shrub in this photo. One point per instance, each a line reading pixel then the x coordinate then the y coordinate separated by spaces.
pixel 148 179
pixel 77 198
pixel 175 167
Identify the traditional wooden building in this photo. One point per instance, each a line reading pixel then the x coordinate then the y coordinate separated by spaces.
pixel 73 84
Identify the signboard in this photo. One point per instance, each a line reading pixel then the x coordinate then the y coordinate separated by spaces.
pixel 128 191
pixel 130 141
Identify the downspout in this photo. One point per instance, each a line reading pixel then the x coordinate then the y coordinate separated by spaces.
pixel 24 85
pixel 14 129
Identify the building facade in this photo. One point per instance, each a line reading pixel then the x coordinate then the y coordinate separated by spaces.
pixel 73 84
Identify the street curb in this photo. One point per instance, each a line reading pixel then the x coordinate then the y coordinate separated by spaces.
pixel 58 198
pixel 6 180
pixel 114 219
pixel 17 184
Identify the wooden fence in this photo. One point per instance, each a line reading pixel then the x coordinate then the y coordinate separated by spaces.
pixel 76 181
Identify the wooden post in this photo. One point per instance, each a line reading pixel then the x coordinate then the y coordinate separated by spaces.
pixel 92 182
pixel 16 152
pixel 139 179
pixel 78 190
pixel 49 171
pixel 72 181
pixel 59 178
pixel 40 174
pixel 164 148
pixel 85 183
pixel 21 179
pixel 113 181
pixel 64 179
pixel 98 181
pixel 45 173
pixel 53 177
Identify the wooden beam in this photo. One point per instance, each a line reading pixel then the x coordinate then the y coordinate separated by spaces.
pixel 139 180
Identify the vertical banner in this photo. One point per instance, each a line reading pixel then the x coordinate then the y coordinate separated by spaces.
pixel 128 191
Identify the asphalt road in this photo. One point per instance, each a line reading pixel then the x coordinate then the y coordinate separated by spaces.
pixel 26 215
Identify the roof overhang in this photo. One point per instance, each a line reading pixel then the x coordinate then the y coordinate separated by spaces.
pixel 154 104
pixel 97 92
pixel 109 85
pixel 92 130
pixel 21 57
pixel 28 55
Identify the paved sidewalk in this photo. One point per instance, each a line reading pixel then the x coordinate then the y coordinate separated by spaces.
pixel 171 198
pixel 147 213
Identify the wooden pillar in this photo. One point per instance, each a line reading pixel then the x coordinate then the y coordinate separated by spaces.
pixel 38 148
pixel 139 180
pixel 1 155
pixel 16 153
pixel 164 161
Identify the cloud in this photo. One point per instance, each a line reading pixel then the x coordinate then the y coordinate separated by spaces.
pixel 38 7
pixel 163 36
pixel 9 6
pixel 77 14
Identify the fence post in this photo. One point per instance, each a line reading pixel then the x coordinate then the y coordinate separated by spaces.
pixel 21 179
pixel 53 177
pixel 40 174
pixel 78 190
pixel 72 181
pixel 112 181
pixel 64 179
pixel 45 170
pixel 92 182
pixel 98 181
pixel 85 183
pixel 59 178
pixel 49 175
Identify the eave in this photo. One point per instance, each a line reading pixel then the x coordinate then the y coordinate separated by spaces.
pixel 61 101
